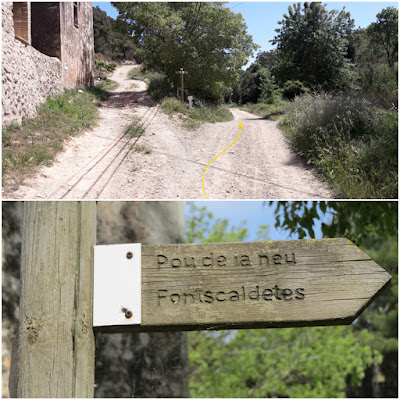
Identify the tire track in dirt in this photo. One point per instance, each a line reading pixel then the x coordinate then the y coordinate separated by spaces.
pixel 103 164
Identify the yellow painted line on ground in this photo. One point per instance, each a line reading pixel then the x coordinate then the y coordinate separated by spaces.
pixel 202 178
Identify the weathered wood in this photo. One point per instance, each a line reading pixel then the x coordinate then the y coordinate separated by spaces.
pixel 258 284
pixel 56 341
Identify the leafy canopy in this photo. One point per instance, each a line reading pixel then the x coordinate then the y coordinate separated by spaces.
pixel 206 39
pixel 312 45
pixel 291 362
pixel 108 41
pixel 373 226
pixel 357 221
pixel 385 33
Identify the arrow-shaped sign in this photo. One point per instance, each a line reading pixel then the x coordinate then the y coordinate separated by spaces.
pixel 233 285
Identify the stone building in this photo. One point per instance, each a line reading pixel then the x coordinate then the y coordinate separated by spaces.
pixel 45 47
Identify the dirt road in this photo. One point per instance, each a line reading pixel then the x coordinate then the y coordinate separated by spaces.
pixel 167 161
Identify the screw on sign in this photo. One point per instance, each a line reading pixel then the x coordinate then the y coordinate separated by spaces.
pixel 237 285
pixel 128 313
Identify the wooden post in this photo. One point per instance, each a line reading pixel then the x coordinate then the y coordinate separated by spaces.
pixel 55 353
pixel 182 72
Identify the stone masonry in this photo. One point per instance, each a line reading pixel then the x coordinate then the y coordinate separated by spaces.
pixel 45 47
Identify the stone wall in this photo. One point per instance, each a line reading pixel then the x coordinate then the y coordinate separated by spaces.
pixel 28 76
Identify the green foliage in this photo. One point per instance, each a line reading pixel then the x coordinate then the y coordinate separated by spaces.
pixel 373 226
pixel 211 113
pixel 351 142
pixel 291 89
pixel 202 227
pixel 109 41
pixel 172 105
pixel 101 90
pixel 379 84
pixel 269 91
pixel 107 85
pixel 268 59
pixel 193 118
pixel 38 139
pixel 103 67
pixel 374 51
pixel 384 32
pixel 207 39
pixel 312 45
pixel 141 74
pixel 294 362
pixel 255 85
pixel 267 111
pixel 357 221
pixel 381 317
pixel 159 87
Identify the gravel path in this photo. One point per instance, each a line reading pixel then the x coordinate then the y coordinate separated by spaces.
pixel 105 164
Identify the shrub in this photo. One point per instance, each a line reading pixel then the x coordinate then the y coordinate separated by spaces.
pixel 267 111
pixel 159 86
pixel 38 139
pixel 200 113
pixel 291 89
pixel 172 105
pixel 104 67
pixel 379 83
pixel 353 143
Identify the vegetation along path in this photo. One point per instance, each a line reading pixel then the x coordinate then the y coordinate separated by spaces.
pixel 167 161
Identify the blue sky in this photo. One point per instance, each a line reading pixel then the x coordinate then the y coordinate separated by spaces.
pixel 262 17
pixel 254 212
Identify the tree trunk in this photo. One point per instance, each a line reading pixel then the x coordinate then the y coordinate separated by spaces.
pixel 54 356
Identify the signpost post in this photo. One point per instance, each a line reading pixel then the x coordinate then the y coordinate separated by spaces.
pixel 54 353
pixel 232 285
pixel 181 72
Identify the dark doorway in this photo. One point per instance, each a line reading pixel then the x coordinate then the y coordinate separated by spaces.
pixel 45 28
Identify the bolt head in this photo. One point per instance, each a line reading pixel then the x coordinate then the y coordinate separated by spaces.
pixel 128 314
pixel 129 255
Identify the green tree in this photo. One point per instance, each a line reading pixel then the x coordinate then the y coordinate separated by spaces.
pixel 267 59
pixel 206 39
pixel 373 227
pixel 385 33
pixel 110 42
pixel 374 52
pixel 312 45
pixel 291 362
pixel 255 84
pixel 357 221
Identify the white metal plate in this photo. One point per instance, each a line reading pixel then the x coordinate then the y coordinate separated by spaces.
pixel 117 284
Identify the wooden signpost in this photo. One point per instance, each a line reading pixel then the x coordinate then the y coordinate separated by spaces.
pixel 163 288
pixel 181 72
pixel 234 285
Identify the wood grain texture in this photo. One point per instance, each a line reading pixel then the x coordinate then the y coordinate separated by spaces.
pixel 240 285
pixel 56 342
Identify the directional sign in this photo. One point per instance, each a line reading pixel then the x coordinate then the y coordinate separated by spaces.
pixel 238 285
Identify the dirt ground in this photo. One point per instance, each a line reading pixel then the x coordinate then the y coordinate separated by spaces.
pixel 167 161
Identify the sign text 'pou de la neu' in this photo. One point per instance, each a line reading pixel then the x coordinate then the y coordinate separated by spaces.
pixel 232 285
